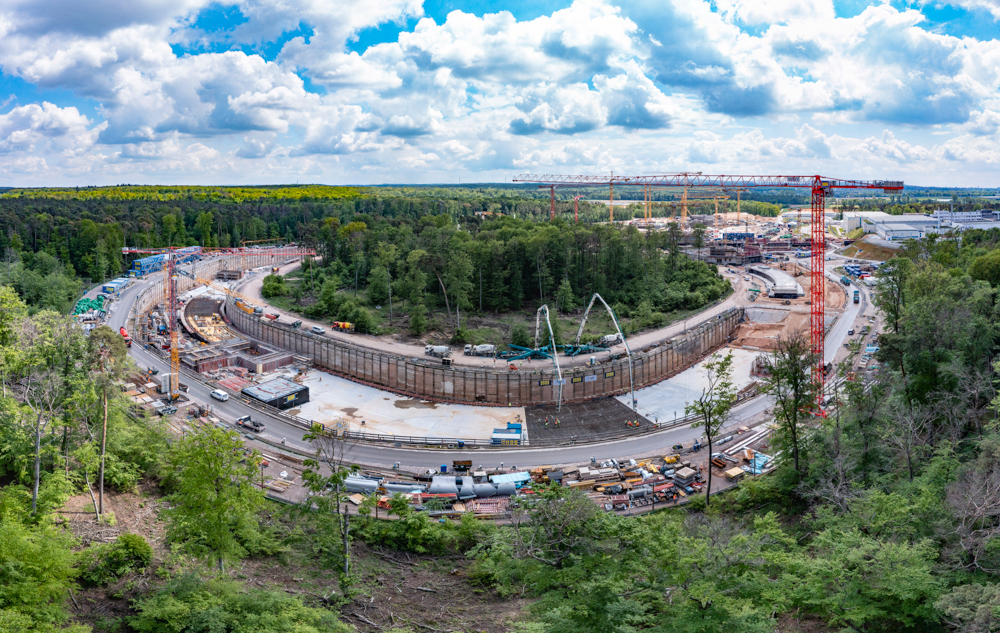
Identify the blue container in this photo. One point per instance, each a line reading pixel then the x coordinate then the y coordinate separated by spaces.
pixel 444 468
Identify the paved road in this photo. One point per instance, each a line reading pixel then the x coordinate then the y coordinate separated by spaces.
pixel 419 457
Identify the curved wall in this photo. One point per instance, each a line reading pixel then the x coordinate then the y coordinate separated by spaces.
pixel 425 379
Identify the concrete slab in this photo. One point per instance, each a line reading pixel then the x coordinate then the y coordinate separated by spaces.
pixel 333 398
pixel 666 400
pixel 766 315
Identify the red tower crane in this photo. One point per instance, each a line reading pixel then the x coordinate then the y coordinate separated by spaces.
pixel 576 208
pixel 821 187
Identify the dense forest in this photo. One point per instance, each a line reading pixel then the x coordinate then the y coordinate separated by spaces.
pixel 496 265
pixel 883 515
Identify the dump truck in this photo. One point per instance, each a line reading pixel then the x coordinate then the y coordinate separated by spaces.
pixel 857 297
pixel 480 350
pixel 845 280
pixel 439 351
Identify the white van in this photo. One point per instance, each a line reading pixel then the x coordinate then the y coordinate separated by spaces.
pixel 318 330
pixel 220 395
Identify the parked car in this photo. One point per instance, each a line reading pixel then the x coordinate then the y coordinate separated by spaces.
pixel 220 395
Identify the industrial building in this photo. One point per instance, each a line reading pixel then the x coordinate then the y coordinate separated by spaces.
pixel 895 232
pixel 280 393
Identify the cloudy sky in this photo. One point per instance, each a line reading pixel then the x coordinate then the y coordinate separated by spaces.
pixel 404 91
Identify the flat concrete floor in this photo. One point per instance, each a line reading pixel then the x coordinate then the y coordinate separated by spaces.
pixel 665 401
pixel 332 398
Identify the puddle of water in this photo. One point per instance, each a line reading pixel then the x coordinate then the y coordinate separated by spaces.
pixel 413 403
pixel 350 411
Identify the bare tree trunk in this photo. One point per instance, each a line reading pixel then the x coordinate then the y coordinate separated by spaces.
pixel 86 477
pixel 38 463
pixel 446 304
pixel 104 438
pixel 708 488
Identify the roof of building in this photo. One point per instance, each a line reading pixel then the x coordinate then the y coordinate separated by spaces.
pixel 277 388
pixel 782 282
pixel 900 227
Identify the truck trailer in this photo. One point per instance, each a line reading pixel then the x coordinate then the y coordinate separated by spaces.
pixel 480 350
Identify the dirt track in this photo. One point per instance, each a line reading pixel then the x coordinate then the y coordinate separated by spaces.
pixel 252 289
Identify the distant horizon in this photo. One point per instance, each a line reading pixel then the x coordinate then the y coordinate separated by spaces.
pixel 530 186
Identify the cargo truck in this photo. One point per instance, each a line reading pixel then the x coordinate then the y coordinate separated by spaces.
pixel 857 297
pixel 480 350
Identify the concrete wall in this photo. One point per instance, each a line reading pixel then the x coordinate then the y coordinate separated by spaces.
pixel 429 380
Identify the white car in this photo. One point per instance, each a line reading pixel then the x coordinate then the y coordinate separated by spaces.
pixel 220 395
pixel 318 330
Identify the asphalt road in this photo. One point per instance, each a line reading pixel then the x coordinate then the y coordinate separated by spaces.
pixel 430 458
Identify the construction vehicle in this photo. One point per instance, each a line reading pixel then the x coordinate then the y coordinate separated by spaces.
pixel 124 333
pixel 438 351
pixel 480 350
pixel 296 325
pixel 247 423
pixel 342 326
pixel 857 297
pixel 671 459
pixel 609 340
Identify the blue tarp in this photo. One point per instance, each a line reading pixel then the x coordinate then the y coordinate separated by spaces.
pixel 760 461
pixel 514 478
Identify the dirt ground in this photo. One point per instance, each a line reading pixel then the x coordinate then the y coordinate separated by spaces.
pixel 763 335
pixel 583 420
pixel 394 590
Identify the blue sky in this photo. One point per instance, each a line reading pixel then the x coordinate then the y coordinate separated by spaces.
pixel 384 91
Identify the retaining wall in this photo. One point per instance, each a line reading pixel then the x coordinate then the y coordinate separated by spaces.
pixel 430 380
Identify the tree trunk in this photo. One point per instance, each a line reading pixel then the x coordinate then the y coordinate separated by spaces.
pixel 446 304
pixel 795 441
pixel 38 463
pixel 104 438
pixel 86 477
pixel 708 488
